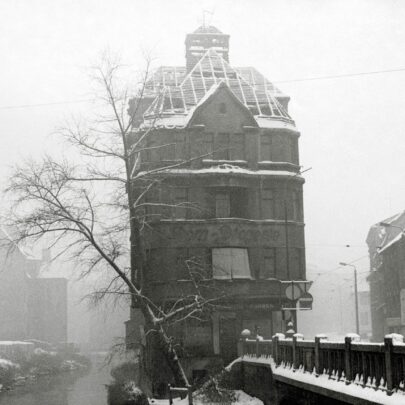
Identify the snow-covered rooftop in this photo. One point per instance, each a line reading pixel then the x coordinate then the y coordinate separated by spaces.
pixel 381 237
pixel 178 94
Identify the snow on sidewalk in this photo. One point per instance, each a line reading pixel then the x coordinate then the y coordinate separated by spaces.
pixel 366 393
pixel 240 398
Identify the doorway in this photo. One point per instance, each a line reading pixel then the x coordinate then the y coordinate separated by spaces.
pixel 228 339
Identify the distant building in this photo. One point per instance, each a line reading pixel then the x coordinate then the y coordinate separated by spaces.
pixel 230 208
pixel 47 309
pixel 364 315
pixel 386 244
pixel 30 307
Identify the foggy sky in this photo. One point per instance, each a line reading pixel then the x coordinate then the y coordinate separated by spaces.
pixel 351 128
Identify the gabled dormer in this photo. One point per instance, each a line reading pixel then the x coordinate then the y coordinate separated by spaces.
pixel 221 111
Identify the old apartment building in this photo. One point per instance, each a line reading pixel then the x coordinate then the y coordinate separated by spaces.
pixel 227 210
pixel 386 245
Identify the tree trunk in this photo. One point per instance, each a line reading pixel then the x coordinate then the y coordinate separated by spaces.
pixel 173 361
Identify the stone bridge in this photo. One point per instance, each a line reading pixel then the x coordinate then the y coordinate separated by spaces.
pixel 303 372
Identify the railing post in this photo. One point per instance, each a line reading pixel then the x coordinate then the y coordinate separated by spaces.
pixel 388 346
pixel 317 352
pixel 296 360
pixel 257 347
pixel 317 360
pixel 294 353
pixel 348 359
pixel 275 349
pixel 190 394
pixel 170 395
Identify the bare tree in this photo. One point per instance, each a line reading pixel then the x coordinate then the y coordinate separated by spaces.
pixel 88 203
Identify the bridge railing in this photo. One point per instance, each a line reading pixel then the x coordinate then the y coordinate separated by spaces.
pixel 377 365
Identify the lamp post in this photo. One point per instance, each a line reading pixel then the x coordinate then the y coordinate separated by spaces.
pixel 356 298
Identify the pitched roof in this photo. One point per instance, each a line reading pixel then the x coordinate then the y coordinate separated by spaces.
pixel 382 237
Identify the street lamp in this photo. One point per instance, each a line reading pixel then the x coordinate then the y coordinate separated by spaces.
pixel 356 298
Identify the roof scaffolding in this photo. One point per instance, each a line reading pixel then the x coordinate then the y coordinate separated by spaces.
pixel 176 96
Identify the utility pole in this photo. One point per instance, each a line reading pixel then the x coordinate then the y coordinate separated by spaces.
pixel 356 297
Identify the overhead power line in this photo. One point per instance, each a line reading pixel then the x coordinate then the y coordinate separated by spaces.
pixel 12 107
pixel 306 79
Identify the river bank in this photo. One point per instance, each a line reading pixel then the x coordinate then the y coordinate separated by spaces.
pixel 82 388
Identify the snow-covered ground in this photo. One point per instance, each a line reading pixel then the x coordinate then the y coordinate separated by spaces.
pixel 240 398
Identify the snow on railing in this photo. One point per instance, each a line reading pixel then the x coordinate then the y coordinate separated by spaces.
pixel 377 365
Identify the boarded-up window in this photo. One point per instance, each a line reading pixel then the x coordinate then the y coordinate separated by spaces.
pixel 268 206
pixel 265 147
pixel 230 263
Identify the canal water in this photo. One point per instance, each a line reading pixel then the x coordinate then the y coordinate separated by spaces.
pixel 65 389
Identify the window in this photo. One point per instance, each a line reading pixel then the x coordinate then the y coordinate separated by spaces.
pixel 294 150
pixel 168 149
pixel 180 201
pixel 196 261
pixel 229 263
pixel 265 147
pixel 182 270
pixel 296 208
pixel 238 147
pixel 207 145
pixel 269 263
pixel 180 146
pixel 222 151
pixel 152 204
pixel 222 205
pixel 232 203
pixel 152 151
pixel 296 263
pixel 268 206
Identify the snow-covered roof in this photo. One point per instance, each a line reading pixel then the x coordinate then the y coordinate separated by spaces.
pixel 381 237
pixel 207 29
pixel 179 94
